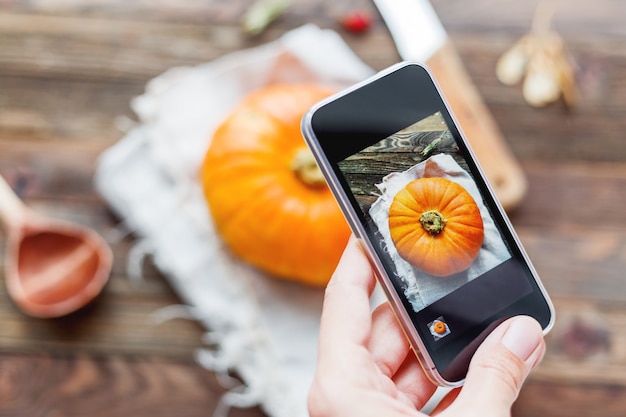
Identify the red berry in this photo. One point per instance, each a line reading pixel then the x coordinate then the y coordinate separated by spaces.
pixel 357 21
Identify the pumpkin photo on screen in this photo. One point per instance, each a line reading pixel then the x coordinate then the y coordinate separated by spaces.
pixel 267 197
pixel 436 226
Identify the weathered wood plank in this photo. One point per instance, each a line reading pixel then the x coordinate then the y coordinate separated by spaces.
pixel 587 344
pixel 38 385
pixel 570 399
pixel 578 263
pixel 584 369
pixel 397 153
pixel 200 12
pixel 573 226
pixel 102 48
pixel 603 16
pixel 588 17
pixel 587 196
pixel 50 170
pixel 40 109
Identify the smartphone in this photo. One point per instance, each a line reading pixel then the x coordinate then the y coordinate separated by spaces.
pixel 442 247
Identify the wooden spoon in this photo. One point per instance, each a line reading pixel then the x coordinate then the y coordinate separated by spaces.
pixel 53 268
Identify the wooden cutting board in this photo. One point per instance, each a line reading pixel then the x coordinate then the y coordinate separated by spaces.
pixel 495 157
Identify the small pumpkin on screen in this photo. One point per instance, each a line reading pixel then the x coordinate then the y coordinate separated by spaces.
pixel 268 199
pixel 436 226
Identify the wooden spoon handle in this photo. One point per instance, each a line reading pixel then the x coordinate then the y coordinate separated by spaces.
pixel 12 209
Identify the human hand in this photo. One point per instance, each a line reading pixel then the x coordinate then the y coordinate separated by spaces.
pixel 366 368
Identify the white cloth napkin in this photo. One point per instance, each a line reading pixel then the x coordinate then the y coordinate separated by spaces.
pixel 263 328
pixel 422 289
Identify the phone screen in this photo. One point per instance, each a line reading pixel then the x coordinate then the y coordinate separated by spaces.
pixel 400 165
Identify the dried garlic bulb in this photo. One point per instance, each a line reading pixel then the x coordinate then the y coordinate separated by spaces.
pixel 512 64
pixel 540 60
pixel 541 85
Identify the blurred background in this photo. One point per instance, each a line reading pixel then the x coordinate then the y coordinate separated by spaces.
pixel 68 72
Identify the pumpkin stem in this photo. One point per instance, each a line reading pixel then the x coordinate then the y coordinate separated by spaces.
pixel 306 169
pixel 433 222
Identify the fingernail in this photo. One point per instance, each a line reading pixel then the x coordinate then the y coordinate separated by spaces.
pixel 523 337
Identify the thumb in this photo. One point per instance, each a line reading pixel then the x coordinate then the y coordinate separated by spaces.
pixel 500 367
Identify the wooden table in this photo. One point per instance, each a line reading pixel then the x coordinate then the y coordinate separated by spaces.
pixel 68 69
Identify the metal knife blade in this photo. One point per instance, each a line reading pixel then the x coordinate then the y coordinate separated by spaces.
pixel 414 26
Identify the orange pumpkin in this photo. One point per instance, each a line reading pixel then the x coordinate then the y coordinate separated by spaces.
pixel 439 327
pixel 267 197
pixel 436 226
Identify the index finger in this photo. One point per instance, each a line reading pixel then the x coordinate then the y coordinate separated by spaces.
pixel 346 315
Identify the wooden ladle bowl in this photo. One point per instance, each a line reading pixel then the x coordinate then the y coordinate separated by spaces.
pixel 52 267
